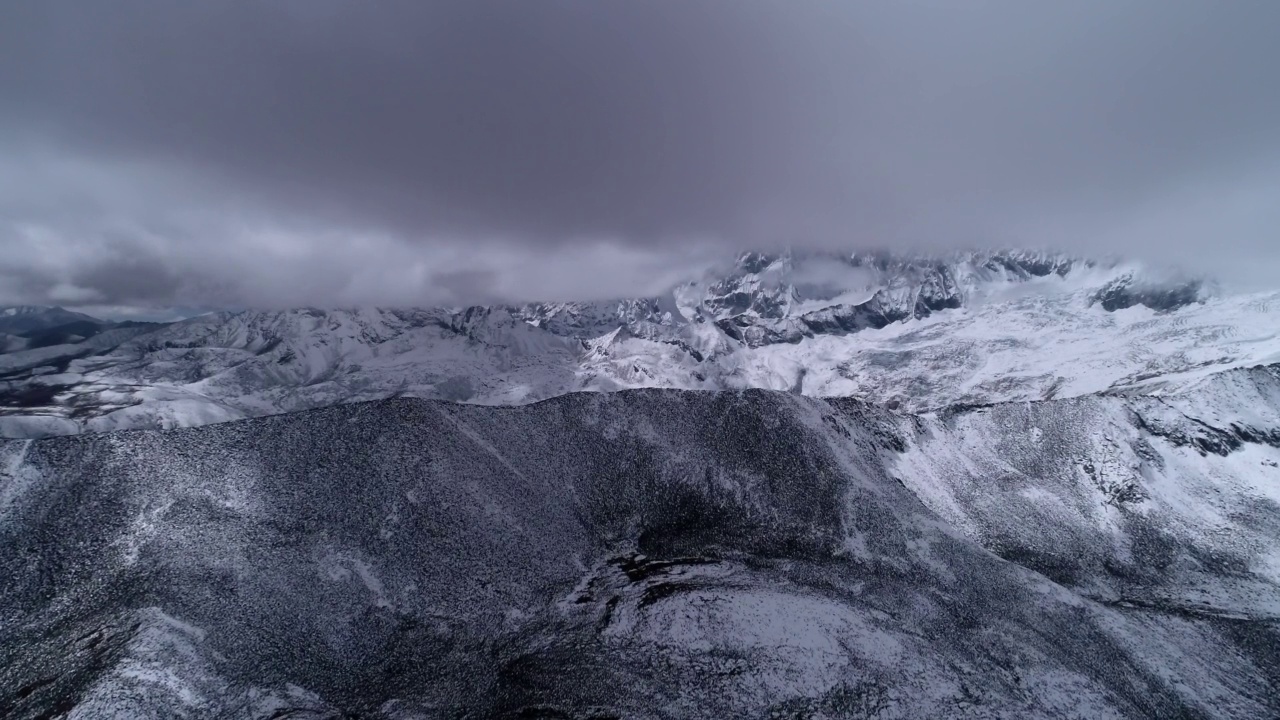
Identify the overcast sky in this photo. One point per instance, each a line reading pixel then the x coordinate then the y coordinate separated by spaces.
pixel 334 152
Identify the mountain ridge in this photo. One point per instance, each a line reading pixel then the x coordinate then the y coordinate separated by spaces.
pixel 915 331
pixel 652 554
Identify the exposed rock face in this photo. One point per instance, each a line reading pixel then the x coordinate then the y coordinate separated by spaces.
pixel 654 554
pixel 762 302
pixel 1126 292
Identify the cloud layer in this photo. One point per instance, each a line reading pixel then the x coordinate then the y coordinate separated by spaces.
pixel 337 152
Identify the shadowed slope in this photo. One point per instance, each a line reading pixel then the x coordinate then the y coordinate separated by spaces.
pixel 642 554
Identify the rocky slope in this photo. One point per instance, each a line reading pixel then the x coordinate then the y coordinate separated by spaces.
pixel 918 333
pixel 655 554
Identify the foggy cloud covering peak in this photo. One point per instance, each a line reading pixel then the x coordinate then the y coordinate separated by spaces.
pixel 326 152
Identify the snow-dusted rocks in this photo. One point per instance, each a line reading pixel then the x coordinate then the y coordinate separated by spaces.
pixel 1061 502
pixel 652 554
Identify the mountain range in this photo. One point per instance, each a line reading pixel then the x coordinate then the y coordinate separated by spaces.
pixel 911 332
pixel 981 485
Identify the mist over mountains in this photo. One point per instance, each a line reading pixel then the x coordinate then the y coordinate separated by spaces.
pixel 399 360
pixel 916 331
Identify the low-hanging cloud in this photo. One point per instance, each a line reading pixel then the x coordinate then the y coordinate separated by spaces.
pixel 402 152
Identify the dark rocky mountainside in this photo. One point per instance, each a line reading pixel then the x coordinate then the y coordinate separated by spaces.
pixel 654 554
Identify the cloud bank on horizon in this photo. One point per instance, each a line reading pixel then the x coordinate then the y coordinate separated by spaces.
pixel 334 152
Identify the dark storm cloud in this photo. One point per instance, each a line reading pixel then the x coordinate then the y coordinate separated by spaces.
pixel 524 117
pixel 399 151
pixel 116 276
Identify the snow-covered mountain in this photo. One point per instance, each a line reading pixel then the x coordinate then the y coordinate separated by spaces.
pixel 655 555
pixel 1063 501
pixel 913 332
pixel 26 327
pixel 20 319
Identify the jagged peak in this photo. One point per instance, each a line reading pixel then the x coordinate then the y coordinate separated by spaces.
pixel 1159 293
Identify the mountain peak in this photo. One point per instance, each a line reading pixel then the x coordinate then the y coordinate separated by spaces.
pixel 920 330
